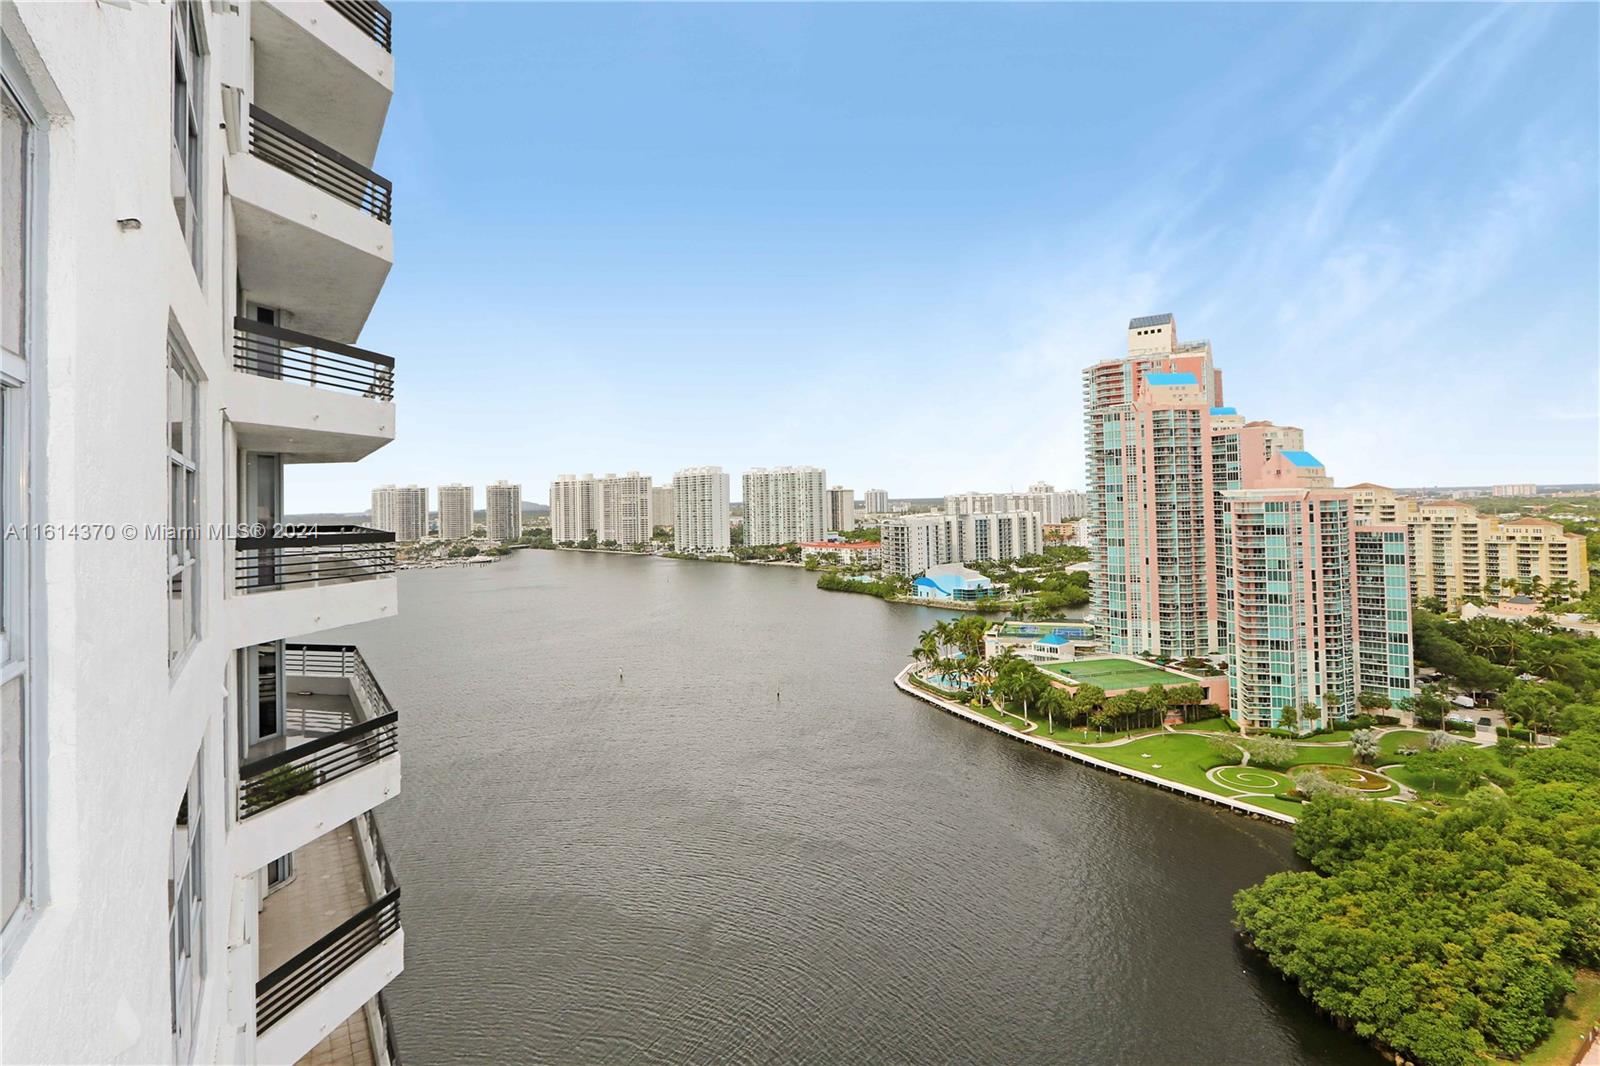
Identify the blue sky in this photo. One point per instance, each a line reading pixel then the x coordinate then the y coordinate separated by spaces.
pixel 884 239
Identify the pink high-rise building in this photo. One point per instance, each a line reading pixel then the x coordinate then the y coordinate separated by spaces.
pixel 1222 537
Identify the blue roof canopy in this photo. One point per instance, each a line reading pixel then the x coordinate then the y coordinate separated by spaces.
pixel 1183 378
pixel 1302 458
pixel 1224 410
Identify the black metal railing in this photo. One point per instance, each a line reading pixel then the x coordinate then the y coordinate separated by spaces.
pixel 275 141
pixel 370 17
pixel 307 973
pixel 311 555
pixel 277 778
pixel 391 1044
pixel 274 352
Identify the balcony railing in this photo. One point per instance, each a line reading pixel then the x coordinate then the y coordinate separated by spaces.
pixel 370 17
pixel 313 968
pixel 274 352
pixel 373 732
pixel 315 555
pixel 275 141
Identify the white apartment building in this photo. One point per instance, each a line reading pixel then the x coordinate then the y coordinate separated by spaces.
pixel 1520 489
pixel 875 501
pixel 502 503
pixel 607 508
pixel 841 509
pixel 455 512
pixel 700 509
pixel 193 242
pixel 625 508
pixel 915 542
pixel 577 508
pixel 1053 507
pixel 785 505
pixel 661 506
pixel 402 510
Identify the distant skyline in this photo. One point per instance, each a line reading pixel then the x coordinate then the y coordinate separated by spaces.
pixel 657 236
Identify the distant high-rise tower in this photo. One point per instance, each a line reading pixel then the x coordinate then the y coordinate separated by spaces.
pixel 661 506
pixel 455 512
pixel 841 509
pixel 700 505
pixel 625 508
pixel 876 501
pixel 402 510
pixel 502 503
pixel 785 505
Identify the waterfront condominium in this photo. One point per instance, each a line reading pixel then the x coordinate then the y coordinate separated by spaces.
pixel 608 508
pixel 455 512
pixel 875 501
pixel 785 505
pixel 192 871
pixel 913 543
pixel 841 509
pixel 1457 551
pixel 700 509
pixel 1225 537
pixel 1052 507
pixel 401 510
pixel 502 507
pixel 660 507
pixel 625 508
pixel 576 508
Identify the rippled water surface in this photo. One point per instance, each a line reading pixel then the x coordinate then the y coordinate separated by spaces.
pixel 617 843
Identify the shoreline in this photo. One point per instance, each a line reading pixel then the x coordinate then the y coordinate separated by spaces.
pixel 1239 807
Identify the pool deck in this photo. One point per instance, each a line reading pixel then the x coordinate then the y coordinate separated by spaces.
pixel 903 683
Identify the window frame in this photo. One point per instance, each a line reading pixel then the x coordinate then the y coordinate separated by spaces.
pixel 184 555
pixel 186 912
pixel 22 502
pixel 189 68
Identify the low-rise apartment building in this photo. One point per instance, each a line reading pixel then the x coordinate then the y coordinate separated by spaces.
pixel 1456 551
pixel 913 543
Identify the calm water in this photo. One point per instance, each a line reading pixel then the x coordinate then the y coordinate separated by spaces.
pixel 678 866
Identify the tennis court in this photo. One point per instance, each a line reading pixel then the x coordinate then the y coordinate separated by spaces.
pixel 1111 674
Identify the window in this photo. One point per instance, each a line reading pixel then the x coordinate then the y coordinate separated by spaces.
pixel 183 538
pixel 188 90
pixel 20 167
pixel 186 908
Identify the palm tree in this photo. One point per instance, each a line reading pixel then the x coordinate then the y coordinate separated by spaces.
pixel 1053 699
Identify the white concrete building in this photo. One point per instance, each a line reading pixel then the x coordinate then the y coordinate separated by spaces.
pixel 577 508
pixel 661 507
pixel 625 508
pixel 190 871
pixel 455 512
pixel 608 508
pixel 401 510
pixel 1053 507
pixel 1520 489
pixel 841 509
pixel 700 509
pixel 785 505
pixel 875 501
pixel 913 543
pixel 502 508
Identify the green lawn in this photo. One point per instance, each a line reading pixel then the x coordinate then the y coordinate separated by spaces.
pixel 1184 759
pixel 1422 785
pixel 1114 674
pixel 1581 1010
pixel 1390 743
pixel 1206 725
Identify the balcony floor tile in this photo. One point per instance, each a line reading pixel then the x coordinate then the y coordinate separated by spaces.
pixel 328 886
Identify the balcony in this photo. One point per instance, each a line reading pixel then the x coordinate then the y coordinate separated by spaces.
pixel 313 226
pixel 338 758
pixel 327 68
pixel 306 578
pixel 322 975
pixel 307 398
